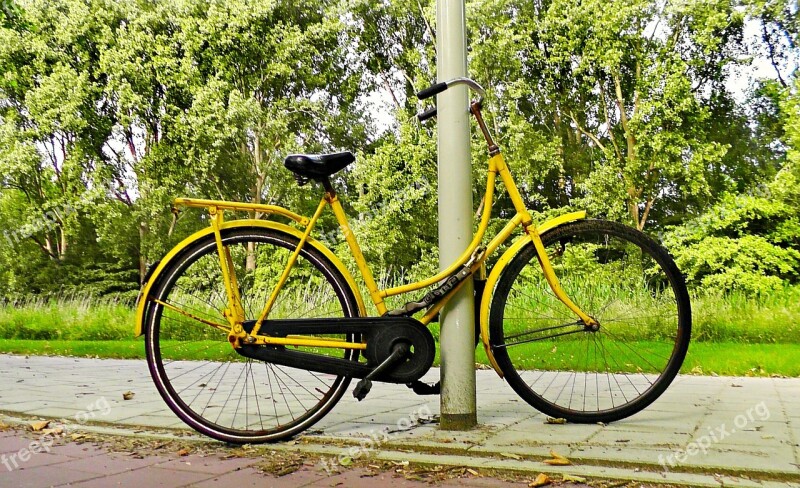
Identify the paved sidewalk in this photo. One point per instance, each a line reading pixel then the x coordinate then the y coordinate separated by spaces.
pixel 711 430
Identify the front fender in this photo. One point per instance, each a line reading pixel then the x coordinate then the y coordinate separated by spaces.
pixel 500 266
pixel 265 224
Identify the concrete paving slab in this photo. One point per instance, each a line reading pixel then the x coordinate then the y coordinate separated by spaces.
pixel 684 414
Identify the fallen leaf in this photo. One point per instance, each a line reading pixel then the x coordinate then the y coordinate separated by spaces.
pixel 557 460
pixel 56 431
pixel 345 461
pixel 183 452
pixel 553 420
pixel 37 426
pixel 541 480
pixel 573 479
pixel 128 395
pixel 472 472
pixel 75 437
pixel 509 455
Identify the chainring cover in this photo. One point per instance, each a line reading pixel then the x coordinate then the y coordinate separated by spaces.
pixel 382 340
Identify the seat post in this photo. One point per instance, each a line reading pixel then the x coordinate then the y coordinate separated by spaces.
pixel 326 183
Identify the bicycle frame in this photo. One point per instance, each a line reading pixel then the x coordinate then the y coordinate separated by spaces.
pixel 473 257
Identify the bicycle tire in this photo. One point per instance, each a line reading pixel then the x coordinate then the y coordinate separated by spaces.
pixel 554 354
pixel 290 400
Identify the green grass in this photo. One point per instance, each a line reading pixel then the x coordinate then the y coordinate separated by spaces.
pixel 738 318
pixel 732 334
pixel 737 359
pixel 121 349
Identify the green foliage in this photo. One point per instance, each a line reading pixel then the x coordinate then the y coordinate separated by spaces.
pixel 614 99
pixel 396 189
pixel 747 243
pixel 109 109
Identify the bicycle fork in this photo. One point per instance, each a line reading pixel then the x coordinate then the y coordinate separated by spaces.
pixel 497 162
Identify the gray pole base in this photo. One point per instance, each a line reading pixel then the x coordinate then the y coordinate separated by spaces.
pixel 458 421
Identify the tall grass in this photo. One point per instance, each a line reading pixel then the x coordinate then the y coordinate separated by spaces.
pixel 732 317
pixel 737 317
pixel 66 318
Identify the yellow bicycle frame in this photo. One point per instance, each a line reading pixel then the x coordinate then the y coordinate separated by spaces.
pixel 474 256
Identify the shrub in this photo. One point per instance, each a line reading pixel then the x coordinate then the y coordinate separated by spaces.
pixel 748 243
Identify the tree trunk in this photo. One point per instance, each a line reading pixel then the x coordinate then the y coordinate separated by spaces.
pixel 143 230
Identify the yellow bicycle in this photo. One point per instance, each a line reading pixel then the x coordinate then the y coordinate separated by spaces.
pixel 253 329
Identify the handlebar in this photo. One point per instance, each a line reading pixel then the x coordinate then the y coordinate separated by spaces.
pixel 432 90
pixel 428 114
pixel 442 86
pixel 474 107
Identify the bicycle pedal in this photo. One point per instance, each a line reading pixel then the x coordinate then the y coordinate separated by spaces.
pixel 362 388
pixel 421 388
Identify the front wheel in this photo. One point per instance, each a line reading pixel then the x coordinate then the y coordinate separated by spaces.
pixel 195 369
pixel 623 279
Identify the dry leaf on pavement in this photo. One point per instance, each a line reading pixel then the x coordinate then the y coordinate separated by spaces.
pixel 553 420
pixel 573 479
pixel 38 426
pixel 128 395
pixel 558 460
pixel 541 480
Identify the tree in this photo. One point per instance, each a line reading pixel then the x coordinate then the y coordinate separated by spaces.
pixel 53 114
pixel 211 96
pixel 615 93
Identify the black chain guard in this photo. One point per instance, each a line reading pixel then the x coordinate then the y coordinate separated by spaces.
pixel 380 333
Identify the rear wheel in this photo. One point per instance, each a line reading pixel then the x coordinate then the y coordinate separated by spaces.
pixel 201 377
pixel 620 277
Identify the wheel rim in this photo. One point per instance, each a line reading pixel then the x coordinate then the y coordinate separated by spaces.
pixel 570 370
pixel 203 379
